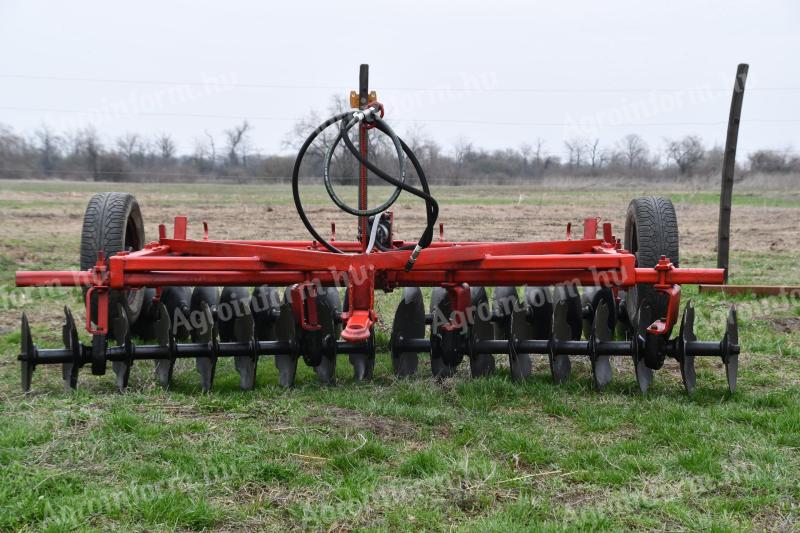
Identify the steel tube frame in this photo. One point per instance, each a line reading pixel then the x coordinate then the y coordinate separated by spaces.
pixel 587 261
pixel 474 263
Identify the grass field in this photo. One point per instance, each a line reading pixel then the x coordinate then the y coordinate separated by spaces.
pixel 486 454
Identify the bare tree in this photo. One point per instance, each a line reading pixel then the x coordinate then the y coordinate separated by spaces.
pixel 686 153
pixel 87 146
pixel 49 149
pixel 633 150
pixel 343 165
pixel 202 154
pixel 539 151
pixel 462 151
pixel 212 147
pixel 235 137
pixel 576 149
pixel 596 155
pixel 771 161
pixel 165 146
pixel 525 150
pixel 428 151
pixel 131 147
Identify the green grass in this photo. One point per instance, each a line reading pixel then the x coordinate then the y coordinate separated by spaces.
pixel 474 455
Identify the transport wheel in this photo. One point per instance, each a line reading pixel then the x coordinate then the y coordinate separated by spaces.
pixel 651 230
pixel 113 223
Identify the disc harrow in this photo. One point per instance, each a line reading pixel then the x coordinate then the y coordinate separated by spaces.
pixel 495 304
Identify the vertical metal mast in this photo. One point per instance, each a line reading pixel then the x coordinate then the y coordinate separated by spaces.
pixel 363 145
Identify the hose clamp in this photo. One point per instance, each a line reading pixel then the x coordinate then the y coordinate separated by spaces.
pixel 413 258
pixel 370 114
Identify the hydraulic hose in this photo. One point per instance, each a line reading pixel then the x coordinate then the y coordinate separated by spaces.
pixel 344 129
pixel 348 120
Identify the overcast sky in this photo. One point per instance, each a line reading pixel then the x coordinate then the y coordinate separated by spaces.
pixel 497 73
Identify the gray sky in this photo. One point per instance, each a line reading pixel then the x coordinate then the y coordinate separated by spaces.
pixel 497 73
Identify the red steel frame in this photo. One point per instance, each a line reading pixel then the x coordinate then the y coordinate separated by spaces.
pixel 305 264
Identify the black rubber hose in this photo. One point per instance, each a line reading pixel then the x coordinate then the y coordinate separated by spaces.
pixel 431 206
pixel 344 129
pixel 295 176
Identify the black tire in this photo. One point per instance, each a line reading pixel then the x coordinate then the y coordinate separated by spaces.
pixel 113 223
pixel 651 230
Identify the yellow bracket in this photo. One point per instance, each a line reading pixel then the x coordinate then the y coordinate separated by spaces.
pixel 355 104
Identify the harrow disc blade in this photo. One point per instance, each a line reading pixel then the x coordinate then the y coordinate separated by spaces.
pixel 644 374
pixel 203 305
pixel 177 301
pixel 731 372
pixel 566 326
pixel 512 321
pixel 236 325
pixel 207 332
pixel 505 301
pixel 590 301
pixel 731 358
pixel 539 301
pixel 686 361
pixel 440 309
pixel 285 330
pixel 601 331
pixel 121 331
pixel 69 335
pixel 328 305
pixel 408 323
pixel 164 337
pixel 209 295
pixel 624 326
pixel 27 354
pixel 246 365
pixel 233 302
pixel 540 308
pixel 265 306
pixel 573 320
pixel 560 364
pixel 481 329
pixel 145 324
pixel 521 329
pixel 588 309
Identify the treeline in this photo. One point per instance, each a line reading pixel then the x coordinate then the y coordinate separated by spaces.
pixel 230 156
